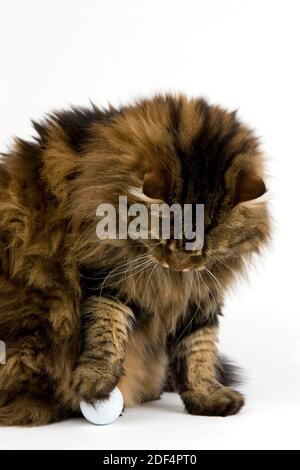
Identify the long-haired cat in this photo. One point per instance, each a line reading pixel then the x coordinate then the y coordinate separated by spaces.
pixel 80 316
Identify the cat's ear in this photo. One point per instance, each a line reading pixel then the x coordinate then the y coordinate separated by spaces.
pixel 154 186
pixel 249 187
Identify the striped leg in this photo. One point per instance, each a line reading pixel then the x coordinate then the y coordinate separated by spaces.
pixel 194 367
pixel 106 327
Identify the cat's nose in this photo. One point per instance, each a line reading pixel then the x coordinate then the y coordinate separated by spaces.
pixel 178 264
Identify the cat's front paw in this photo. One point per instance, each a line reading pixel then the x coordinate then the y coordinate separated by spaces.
pixel 91 382
pixel 215 401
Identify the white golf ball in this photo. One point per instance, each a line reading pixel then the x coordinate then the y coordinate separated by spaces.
pixel 104 411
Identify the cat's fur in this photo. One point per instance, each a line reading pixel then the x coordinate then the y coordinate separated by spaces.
pixel 80 316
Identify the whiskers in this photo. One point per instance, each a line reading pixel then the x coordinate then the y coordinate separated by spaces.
pixel 221 261
pixel 215 280
pixel 133 268
pixel 146 281
pixel 211 295
pixel 122 271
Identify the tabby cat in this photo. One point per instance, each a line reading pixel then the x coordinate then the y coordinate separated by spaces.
pixel 79 315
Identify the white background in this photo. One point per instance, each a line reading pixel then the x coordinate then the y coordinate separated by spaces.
pixel 240 53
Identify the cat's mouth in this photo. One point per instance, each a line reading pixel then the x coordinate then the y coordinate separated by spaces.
pixel 178 265
pixel 183 270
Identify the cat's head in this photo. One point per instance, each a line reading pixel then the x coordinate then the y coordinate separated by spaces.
pixel 201 154
pixel 184 151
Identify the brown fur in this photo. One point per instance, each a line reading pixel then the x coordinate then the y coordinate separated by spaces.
pixel 79 316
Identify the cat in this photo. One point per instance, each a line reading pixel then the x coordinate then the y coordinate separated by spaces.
pixel 80 316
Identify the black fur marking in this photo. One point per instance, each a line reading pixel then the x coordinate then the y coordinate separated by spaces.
pixel 91 281
pixel 91 284
pixel 76 124
pixel 175 109
pixel 193 323
pixel 141 315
